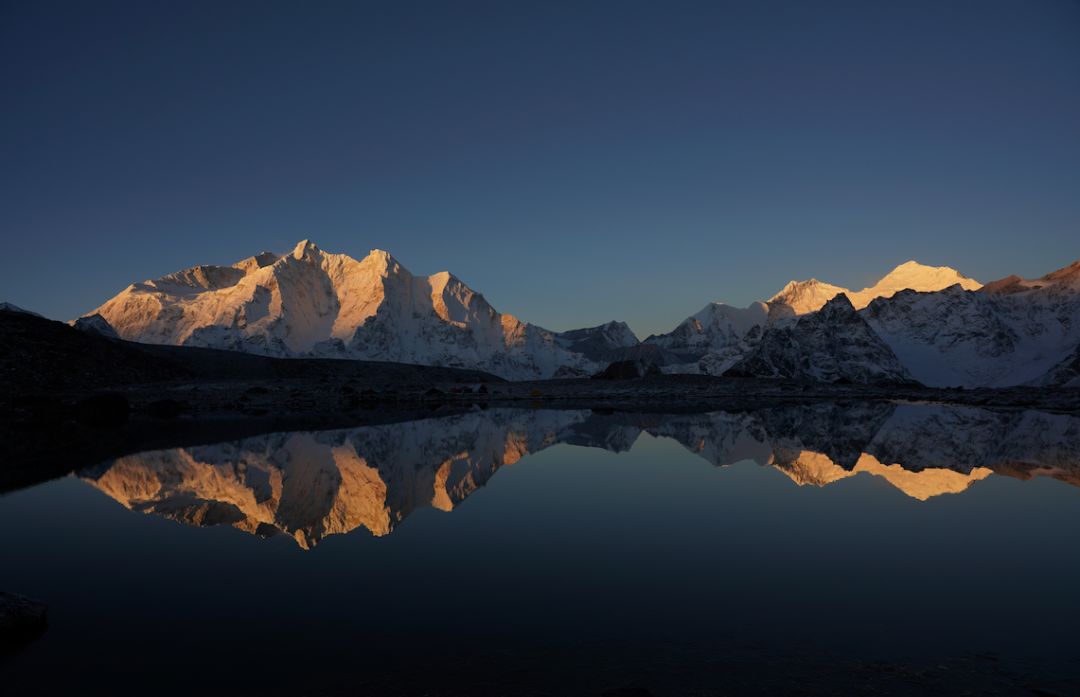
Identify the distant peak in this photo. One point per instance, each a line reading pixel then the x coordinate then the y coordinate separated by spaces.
pixel 1065 273
pixel 910 268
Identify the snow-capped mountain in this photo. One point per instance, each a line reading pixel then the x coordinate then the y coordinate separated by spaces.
pixel 1010 332
pixel 312 303
pixel 928 324
pixel 720 336
pixel 809 296
pixel 833 344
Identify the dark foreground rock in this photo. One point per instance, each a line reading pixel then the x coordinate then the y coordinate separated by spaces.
pixel 21 621
pixel 628 370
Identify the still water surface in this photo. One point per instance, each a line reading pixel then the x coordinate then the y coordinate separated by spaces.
pixel 497 544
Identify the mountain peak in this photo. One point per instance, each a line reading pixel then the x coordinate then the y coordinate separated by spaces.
pixel 809 296
pixel 381 260
pixel 918 271
pixel 304 248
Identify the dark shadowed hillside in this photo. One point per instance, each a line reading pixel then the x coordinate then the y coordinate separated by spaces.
pixel 40 355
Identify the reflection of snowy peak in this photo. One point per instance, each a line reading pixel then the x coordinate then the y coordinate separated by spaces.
pixel 309 485
pixel 313 303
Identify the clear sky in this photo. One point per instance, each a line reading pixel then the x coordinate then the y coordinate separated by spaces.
pixel 576 162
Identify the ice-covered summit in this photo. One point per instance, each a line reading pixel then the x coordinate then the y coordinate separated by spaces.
pixel 809 296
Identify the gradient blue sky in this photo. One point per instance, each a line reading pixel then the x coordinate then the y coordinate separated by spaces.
pixel 575 162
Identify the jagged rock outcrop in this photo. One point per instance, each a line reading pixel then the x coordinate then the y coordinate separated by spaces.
pixel 95 324
pixel 833 344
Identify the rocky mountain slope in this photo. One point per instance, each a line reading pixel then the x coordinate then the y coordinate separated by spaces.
pixel 715 338
pixel 39 356
pixel 312 303
pixel 833 344
pixel 1011 332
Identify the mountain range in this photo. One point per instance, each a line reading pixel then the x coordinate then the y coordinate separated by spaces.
pixel 919 323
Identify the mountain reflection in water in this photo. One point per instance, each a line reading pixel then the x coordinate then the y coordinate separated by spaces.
pixel 308 485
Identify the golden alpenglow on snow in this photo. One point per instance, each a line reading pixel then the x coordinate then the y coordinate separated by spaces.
pixel 810 296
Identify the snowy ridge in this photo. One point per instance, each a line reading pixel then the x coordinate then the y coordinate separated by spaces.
pixel 810 296
pixel 1011 332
